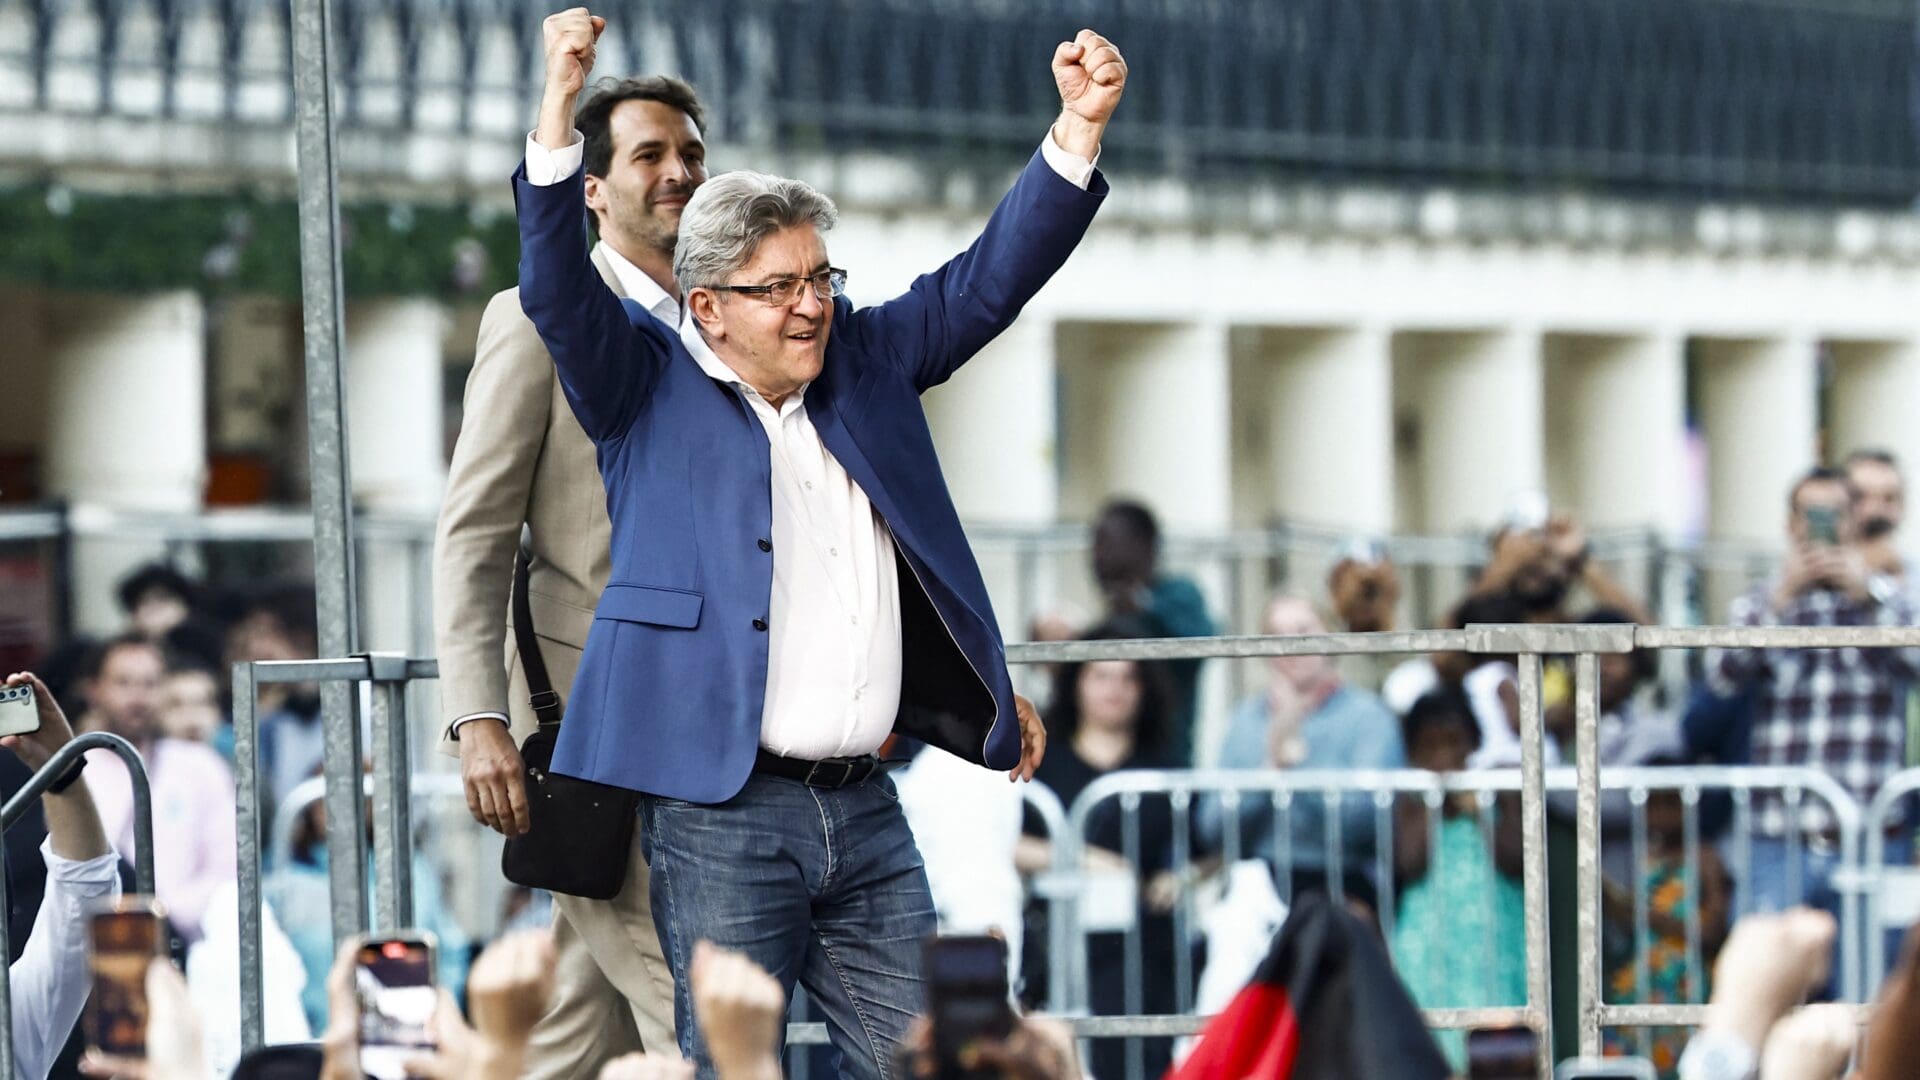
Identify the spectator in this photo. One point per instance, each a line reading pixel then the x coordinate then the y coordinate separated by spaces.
pixel 298 890
pixel 1461 901
pixel 192 789
pixel 1365 589
pixel 1674 897
pixel 1126 564
pixel 1840 710
pixel 1541 568
pixel 1109 716
pixel 1880 508
pixel 1488 681
pixel 50 980
pixel 190 707
pixel 281 624
pixel 156 598
pixel 1308 718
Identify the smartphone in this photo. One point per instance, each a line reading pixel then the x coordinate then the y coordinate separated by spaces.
pixel 1503 1053
pixel 1618 1068
pixel 1823 525
pixel 393 981
pixel 19 713
pixel 123 939
pixel 967 996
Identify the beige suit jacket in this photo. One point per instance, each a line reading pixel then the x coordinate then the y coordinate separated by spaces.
pixel 521 457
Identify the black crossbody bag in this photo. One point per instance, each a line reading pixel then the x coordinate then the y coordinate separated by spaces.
pixel 582 834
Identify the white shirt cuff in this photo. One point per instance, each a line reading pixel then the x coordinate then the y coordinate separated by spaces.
pixel 1072 168
pixel 453 729
pixel 95 871
pixel 547 167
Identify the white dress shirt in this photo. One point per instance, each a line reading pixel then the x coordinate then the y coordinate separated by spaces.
pixel 51 979
pixel 833 619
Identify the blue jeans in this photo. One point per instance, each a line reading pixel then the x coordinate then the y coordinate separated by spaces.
pixel 823 887
pixel 1771 892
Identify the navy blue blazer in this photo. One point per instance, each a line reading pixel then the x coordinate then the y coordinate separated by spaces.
pixel 670 688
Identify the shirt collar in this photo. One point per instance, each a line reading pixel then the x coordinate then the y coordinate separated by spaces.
pixel 717 369
pixel 638 285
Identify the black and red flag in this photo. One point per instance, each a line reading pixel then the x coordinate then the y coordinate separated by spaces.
pixel 1325 1005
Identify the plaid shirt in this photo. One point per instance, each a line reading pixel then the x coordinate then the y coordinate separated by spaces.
pixel 1840 710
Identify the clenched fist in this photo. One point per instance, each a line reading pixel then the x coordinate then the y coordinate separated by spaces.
pixel 570 35
pixel 1091 76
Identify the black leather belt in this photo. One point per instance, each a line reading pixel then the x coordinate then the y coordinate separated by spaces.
pixel 825 773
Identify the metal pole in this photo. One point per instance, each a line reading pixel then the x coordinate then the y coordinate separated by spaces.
pixel 248 805
pixel 6 982
pixel 1586 739
pixel 392 794
pixel 1533 815
pixel 328 472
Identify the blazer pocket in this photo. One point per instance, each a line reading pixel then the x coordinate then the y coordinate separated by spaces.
pixel 647 604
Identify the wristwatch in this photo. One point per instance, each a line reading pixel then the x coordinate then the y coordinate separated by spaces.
pixel 1717 1054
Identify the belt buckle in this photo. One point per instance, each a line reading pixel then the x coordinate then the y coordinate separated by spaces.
pixel 846 774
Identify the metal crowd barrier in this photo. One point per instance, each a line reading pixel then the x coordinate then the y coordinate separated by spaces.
pixel 17 807
pixel 1193 795
pixel 388 675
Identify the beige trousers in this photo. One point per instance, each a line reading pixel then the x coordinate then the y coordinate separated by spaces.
pixel 613 991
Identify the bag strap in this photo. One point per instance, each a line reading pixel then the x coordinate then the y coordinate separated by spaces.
pixel 546 703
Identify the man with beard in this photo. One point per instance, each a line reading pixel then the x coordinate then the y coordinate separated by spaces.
pixel 1879 509
pixel 1839 710
pixel 522 458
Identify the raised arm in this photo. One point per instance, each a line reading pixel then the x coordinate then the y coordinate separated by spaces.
pixel 948 315
pixel 606 366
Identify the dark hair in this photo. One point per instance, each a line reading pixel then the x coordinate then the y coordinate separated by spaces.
pixel 595 114
pixel 293 607
pixel 1496 607
pixel 1135 519
pixel 1873 455
pixel 1152 719
pixel 97 659
pixel 1645 664
pixel 1446 705
pixel 153 577
pixel 1819 474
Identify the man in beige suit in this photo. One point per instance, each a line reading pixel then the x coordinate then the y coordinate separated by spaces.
pixel 522 459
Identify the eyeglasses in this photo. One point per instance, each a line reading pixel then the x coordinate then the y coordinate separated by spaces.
pixel 826 285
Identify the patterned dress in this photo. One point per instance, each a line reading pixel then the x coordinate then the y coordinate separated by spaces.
pixel 1459 933
pixel 1668 980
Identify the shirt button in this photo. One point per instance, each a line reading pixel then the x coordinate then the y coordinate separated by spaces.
pixel 760 624
pixel 856 695
pixel 809 485
pixel 766 544
pixel 833 551
pixel 855 618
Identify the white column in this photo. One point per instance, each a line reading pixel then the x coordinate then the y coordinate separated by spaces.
pixel 1871 400
pixel 1471 404
pixel 1313 427
pixel 1146 416
pixel 1758 410
pixel 993 424
pixel 126 423
pixel 394 416
pixel 1616 429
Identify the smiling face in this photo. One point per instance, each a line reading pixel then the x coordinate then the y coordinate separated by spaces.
pixel 658 161
pixel 774 349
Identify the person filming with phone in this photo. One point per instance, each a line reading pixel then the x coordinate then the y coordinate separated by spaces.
pixel 1839 710
pixel 51 978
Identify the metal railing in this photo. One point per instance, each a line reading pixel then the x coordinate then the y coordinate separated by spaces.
pixel 389 674
pixel 1664 96
pixel 23 800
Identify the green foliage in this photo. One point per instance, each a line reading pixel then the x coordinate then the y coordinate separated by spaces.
pixel 61 238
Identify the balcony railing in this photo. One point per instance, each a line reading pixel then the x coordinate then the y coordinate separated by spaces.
pixel 1805 101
